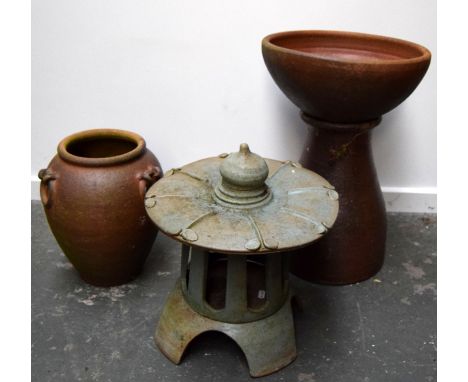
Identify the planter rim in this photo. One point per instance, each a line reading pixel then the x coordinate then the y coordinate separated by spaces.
pixel 425 54
pixel 86 135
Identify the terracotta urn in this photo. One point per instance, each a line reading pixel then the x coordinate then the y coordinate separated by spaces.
pixel 93 196
pixel 343 83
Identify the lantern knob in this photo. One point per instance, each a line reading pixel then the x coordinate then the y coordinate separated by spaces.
pixel 243 176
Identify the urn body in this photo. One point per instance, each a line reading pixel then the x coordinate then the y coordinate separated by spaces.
pixel 93 196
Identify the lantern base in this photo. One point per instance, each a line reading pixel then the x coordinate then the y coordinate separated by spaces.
pixel 268 343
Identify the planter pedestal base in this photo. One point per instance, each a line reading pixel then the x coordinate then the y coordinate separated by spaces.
pixel 354 250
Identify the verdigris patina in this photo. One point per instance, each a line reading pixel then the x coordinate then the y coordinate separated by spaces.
pixel 236 215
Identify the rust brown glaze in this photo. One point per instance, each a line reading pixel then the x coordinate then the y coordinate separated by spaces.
pixel 354 249
pixel 342 76
pixel 93 196
pixel 343 82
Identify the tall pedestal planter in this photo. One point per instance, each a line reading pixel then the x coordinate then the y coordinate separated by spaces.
pixel 343 83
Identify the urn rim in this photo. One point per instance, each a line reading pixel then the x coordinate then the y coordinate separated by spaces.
pixel 136 146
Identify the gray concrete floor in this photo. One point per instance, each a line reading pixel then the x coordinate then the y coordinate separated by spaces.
pixel 383 329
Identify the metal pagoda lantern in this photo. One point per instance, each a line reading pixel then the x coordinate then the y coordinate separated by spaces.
pixel 237 216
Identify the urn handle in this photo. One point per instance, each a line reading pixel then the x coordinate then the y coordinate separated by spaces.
pixel 46 188
pixel 148 178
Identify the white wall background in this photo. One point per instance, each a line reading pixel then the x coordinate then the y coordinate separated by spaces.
pixel 189 77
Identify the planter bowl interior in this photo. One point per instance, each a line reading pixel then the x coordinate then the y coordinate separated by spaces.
pixel 344 77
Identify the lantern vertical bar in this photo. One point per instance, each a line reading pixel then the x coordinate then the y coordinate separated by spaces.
pixel 286 260
pixel 197 276
pixel 236 285
pixel 184 265
pixel 273 278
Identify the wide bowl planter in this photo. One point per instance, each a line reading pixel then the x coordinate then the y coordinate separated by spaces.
pixel 344 77
pixel 93 196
